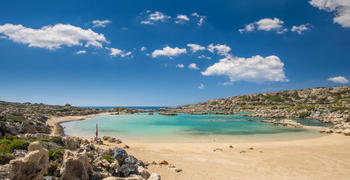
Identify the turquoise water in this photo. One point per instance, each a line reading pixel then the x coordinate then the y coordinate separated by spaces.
pixel 183 126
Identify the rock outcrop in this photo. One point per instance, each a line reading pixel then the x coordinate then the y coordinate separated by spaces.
pixel 32 166
pixel 76 166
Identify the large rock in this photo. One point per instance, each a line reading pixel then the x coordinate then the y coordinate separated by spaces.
pixel 120 154
pixel 71 143
pixel 76 166
pixel 32 166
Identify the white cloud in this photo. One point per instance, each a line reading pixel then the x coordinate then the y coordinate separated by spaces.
pixel 221 49
pixel 81 52
pixel 193 66
pixel 266 24
pixel 168 51
pixel 100 23
pixel 201 86
pixel 195 47
pixel 180 66
pixel 300 29
pixel 118 52
pixel 143 48
pixel 253 69
pixel 339 79
pixel 203 57
pixel 52 37
pixel 181 19
pixel 340 7
pixel 200 18
pixel 156 16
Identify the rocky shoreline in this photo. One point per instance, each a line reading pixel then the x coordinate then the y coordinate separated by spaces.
pixel 31 148
pixel 328 105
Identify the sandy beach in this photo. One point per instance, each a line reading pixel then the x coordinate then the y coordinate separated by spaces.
pixel 326 157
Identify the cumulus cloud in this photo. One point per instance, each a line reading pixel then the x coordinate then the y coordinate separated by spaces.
pixel 118 52
pixel 193 66
pixel 200 18
pixel 341 8
pixel 221 49
pixel 180 66
pixel 201 86
pixel 300 29
pixel 152 17
pixel 253 69
pixel 266 24
pixel 100 23
pixel 52 37
pixel 143 48
pixel 203 57
pixel 168 51
pixel 339 79
pixel 81 52
pixel 181 19
pixel 195 47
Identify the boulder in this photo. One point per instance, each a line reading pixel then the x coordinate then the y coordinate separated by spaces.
pixel 120 154
pixel 154 176
pixel 76 166
pixel 71 143
pixel 32 166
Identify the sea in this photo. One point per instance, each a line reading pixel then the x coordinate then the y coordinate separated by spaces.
pixel 187 127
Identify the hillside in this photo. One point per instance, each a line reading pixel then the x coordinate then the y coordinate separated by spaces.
pixel 325 104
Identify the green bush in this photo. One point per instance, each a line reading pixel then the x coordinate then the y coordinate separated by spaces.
pixel 109 158
pixel 16 118
pixel 56 154
pixel 54 139
pixel 5 158
pixel 9 145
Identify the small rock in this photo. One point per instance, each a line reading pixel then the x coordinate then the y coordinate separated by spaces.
pixel 243 151
pixel 163 162
pixel 143 172
pixel 231 146
pixel 217 149
pixel 251 148
pixel 154 176
pixel 126 147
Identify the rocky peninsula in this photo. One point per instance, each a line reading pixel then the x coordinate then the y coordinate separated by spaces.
pixel 328 105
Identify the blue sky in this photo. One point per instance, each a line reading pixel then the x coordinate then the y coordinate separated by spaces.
pixel 169 53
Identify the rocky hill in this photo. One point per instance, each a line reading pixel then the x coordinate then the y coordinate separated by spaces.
pixel 325 104
pixel 21 118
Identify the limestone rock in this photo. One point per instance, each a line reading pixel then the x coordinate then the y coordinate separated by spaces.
pixel 76 166
pixel 71 143
pixel 32 166
pixel 154 176
pixel 34 146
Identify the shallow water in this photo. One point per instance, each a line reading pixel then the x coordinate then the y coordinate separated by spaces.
pixel 143 126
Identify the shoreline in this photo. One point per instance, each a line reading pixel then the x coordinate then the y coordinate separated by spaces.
pixel 55 122
pixel 324 157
